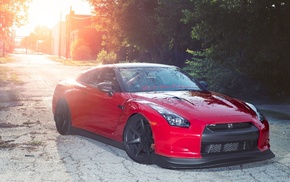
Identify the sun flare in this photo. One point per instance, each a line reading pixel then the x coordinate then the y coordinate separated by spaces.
pixel 50 12
pixel 42 12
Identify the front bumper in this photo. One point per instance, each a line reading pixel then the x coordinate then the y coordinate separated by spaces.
pixel 223 145
pixel 213 161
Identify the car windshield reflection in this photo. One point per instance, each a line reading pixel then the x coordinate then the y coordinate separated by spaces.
pixel 146 79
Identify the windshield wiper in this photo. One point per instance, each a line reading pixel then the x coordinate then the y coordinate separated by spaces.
pixel 187 89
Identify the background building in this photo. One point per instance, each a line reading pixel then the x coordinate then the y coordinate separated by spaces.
pixel 65 33
pixel 58 34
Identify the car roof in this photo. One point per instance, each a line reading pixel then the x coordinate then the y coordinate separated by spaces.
pixel 130 65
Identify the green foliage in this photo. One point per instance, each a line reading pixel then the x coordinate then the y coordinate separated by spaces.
pixel 173 34
pixel 250 37
pixel 39 40
pixel 93 39
pixel 80 51
pixel 137 23
pixel 222 78
pixel 152 27
pixel 238 46
pixel 12 13
pixel 105 57
pixel 106 13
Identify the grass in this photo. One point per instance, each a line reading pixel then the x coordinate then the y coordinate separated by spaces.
pixel 5 59
pixel 6 75
pixel 70 62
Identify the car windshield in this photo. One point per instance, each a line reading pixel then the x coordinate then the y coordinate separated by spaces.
pixel 146 79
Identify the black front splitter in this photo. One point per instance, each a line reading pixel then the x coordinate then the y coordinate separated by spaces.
pixel 213 161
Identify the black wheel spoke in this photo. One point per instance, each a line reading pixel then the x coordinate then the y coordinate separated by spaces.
pixel 143 129
pixel 147 149
pixel 139 150
pixel 134 141
pixel 138 139
pixel 134 131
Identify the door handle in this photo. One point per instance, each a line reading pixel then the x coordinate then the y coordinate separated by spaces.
pixel 121 107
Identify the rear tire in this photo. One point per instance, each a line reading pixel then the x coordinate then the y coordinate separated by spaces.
pixel 62 118
pixel 138 140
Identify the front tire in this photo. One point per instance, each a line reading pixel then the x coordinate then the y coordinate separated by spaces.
pixel 138 140
pixel 63 118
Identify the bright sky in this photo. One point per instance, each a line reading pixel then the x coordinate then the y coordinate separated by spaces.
pixel 48 12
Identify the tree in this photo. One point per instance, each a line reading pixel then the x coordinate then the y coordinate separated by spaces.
pixel 105 13
pixel 251 38
pixel 149 30
pixel 239 42
pixel 12 13
pixel 174 33
pixel 39 40
pixel 137 22
pixel 80 50
pixel 93 39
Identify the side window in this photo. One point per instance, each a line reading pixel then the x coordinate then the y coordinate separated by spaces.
pixel 89 77
pixel 96 76
pixel 108 75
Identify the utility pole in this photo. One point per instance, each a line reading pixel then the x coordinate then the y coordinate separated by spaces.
pixel 59 41
pixel 69 24
pixel 3 47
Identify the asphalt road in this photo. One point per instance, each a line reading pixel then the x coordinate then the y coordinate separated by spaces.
pixel 36 152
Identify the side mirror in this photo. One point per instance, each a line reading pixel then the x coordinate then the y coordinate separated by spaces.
pixel 204 84
pixel 106 87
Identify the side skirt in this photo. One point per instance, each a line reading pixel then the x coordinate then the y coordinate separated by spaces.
pixel 99 138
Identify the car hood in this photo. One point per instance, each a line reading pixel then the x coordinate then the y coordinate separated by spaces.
pixel 198 104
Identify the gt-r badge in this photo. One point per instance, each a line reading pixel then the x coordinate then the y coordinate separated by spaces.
pixel 230 126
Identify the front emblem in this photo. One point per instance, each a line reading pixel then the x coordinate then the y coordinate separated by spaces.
pixel 230 126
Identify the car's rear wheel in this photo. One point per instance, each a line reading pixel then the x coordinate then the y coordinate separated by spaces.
pixel 138 140
pixel 63 118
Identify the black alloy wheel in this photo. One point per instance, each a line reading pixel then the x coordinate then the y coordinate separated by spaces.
pixel 63 118
pixel 138 140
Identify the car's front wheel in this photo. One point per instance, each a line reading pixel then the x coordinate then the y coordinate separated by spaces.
pixel 138 140
pixel 63 118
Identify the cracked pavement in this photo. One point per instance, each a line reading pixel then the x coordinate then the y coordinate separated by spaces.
pixel 32 150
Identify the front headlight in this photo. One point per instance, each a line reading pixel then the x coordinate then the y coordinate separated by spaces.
pixel 172 118
pixel 258 113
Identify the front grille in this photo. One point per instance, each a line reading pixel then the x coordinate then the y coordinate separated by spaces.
pixel 229 138
pixel 230 126
pixel 214 148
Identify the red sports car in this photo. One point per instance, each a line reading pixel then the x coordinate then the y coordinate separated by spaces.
pixel 159 114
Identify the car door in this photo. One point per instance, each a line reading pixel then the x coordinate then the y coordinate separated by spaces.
pixel 78 97
pixel 103 109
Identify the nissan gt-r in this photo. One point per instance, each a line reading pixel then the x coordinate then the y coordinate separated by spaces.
pixel 160 115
